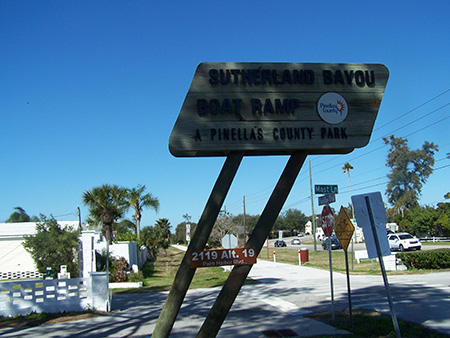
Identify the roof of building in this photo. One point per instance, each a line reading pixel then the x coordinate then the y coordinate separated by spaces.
pixel 14 230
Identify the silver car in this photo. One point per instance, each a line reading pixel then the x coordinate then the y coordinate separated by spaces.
pixel 404 241
pixel 295 241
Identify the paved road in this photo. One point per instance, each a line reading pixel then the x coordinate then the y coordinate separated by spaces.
pixel 357 246
pixel 422 298
pixel 285 293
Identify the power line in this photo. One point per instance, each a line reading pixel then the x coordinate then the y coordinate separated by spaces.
pixel 385 145
pixel 401 116
pixel 420 118
pixel 263 194
pixel 410 111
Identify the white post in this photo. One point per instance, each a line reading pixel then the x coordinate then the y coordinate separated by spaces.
pixel 88 252
pixel 274 257
pixel 299 258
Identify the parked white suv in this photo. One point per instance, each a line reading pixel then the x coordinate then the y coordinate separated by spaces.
pixel 404 241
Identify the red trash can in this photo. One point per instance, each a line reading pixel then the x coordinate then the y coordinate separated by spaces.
pixel 304 255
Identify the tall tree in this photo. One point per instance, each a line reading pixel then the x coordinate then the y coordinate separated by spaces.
pixel 53 246
pixel 250 221
pixel 150 237
pixel 442 224
pixel 20 215
pixel 138 201
pixel 125 227
pixel 224 225
pixel 106 205
pixel 291 219
pixel 346 169
pixel 410 169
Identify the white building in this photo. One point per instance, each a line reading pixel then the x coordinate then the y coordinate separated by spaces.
pixel 15 261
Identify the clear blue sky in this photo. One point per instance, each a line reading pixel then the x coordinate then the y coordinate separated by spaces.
pixel 90 91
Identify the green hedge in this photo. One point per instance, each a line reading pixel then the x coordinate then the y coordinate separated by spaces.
pixel 433 259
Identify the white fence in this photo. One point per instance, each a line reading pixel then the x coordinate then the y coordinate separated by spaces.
pixel 54 295
pixel 20 275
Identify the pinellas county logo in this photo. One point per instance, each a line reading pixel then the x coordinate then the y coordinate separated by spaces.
pixel 332 108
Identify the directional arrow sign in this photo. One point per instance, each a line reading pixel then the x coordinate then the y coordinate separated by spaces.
pixel 344 229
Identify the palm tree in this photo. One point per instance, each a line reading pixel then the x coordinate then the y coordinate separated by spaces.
pixel 20 215
pixel 346 169
pixel 106 205
pixel 138 202
pixel 163 227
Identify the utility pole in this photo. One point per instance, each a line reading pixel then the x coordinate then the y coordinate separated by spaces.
pixel 312 209
pixel 79 219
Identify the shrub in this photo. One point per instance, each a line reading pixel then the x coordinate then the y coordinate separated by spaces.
pixel 119 271
pixel 433 259
pixel 53 246
pixel 136 277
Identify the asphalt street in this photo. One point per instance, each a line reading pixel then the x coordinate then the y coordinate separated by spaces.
pixel 279 302
pixel 356 246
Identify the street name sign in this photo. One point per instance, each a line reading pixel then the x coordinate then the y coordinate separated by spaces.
pixel 344 229
pixel 327 199
pixel 237 256
pixel 278 108
pixel 325 189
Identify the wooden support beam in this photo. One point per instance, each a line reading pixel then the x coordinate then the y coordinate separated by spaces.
pixel 237 277
pixel 185 273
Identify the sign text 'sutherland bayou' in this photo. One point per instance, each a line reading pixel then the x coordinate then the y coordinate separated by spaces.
pixel 278 108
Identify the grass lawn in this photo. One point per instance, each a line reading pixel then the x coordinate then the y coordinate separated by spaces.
pixel 159 275
pixel 320 260
pixel 373 324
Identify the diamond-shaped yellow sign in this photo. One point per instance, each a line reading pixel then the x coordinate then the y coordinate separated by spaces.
pixel 344 229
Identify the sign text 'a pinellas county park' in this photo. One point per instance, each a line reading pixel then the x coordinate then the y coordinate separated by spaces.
pixel 278 108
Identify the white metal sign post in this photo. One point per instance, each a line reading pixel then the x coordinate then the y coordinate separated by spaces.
pixel 327 219
pixel 344 231
pixel 371 216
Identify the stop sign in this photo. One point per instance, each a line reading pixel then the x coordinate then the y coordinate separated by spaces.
pixel 327 219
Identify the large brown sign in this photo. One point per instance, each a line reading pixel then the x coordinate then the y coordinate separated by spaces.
pixel 278 108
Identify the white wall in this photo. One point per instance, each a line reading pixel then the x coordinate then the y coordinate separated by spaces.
pixel 55 295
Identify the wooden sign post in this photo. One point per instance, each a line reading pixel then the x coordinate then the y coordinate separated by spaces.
pixel 255 109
